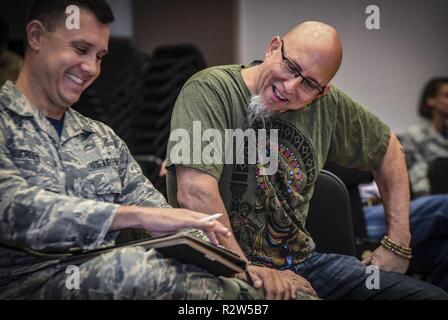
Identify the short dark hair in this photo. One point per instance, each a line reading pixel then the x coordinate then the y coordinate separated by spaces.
pixel 431 90
pixel 4 32
pixel 50 12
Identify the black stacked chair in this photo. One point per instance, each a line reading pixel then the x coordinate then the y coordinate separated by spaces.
pixel 135 96
pixel 115 97
pixel 170 68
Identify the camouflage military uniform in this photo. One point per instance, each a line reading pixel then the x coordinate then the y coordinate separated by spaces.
pixel 422 145
pixel 59 193
pixel 10 65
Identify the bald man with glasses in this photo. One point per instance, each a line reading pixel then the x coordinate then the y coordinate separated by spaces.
pixel 290 92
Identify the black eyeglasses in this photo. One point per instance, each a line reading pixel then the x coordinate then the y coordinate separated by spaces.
pixel 308 85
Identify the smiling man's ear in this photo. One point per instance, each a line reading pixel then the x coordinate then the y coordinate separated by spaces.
pixel 327 89
pixel 274 44
pixel 34 34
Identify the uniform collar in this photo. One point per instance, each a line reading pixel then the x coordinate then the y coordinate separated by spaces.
pixel 17 102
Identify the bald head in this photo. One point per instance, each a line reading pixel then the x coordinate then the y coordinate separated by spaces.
pixel 320 41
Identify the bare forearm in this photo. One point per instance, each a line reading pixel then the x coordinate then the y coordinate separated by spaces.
pixel 210 202
pixel 126 217
pixel 392 179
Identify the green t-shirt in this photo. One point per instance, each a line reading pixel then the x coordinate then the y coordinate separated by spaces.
pixel 268 213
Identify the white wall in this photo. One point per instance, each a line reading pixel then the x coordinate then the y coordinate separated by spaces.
pixel 123 24
pixel 383 69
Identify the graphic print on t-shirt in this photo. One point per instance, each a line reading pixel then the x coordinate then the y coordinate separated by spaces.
pixel 271 225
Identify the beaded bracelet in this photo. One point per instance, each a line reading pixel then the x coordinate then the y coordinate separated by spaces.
pixel 396 248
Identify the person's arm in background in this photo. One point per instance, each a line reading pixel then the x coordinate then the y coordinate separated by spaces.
pixel 199 191
pixel 392 179
pixel 417 165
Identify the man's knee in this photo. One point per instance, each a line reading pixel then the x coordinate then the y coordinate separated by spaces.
pixel 399 286
pixel 134 273
pixel 118 274
pixel 428 291
pixel 234 289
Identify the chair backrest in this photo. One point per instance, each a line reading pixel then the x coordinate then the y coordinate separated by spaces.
pixel 352 178
pixel 330 219
pixel 438 176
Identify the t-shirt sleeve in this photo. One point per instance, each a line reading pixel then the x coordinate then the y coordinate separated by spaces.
pixel 360 139
pixel 197 129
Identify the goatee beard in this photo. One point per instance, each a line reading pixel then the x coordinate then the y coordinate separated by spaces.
pixel 258 114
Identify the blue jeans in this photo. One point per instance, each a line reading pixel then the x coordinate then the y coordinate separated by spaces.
pixel 429 228
pixel 338 277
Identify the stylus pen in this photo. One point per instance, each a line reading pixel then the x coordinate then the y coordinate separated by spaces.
pixel 249 278
pixel 213 217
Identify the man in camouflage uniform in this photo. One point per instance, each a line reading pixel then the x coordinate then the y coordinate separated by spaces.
pixel 68 182
pixel 62 193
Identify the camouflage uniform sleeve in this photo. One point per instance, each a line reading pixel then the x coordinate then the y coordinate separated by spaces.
pixel 417 166
pixel 37 219
pixel 137 189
